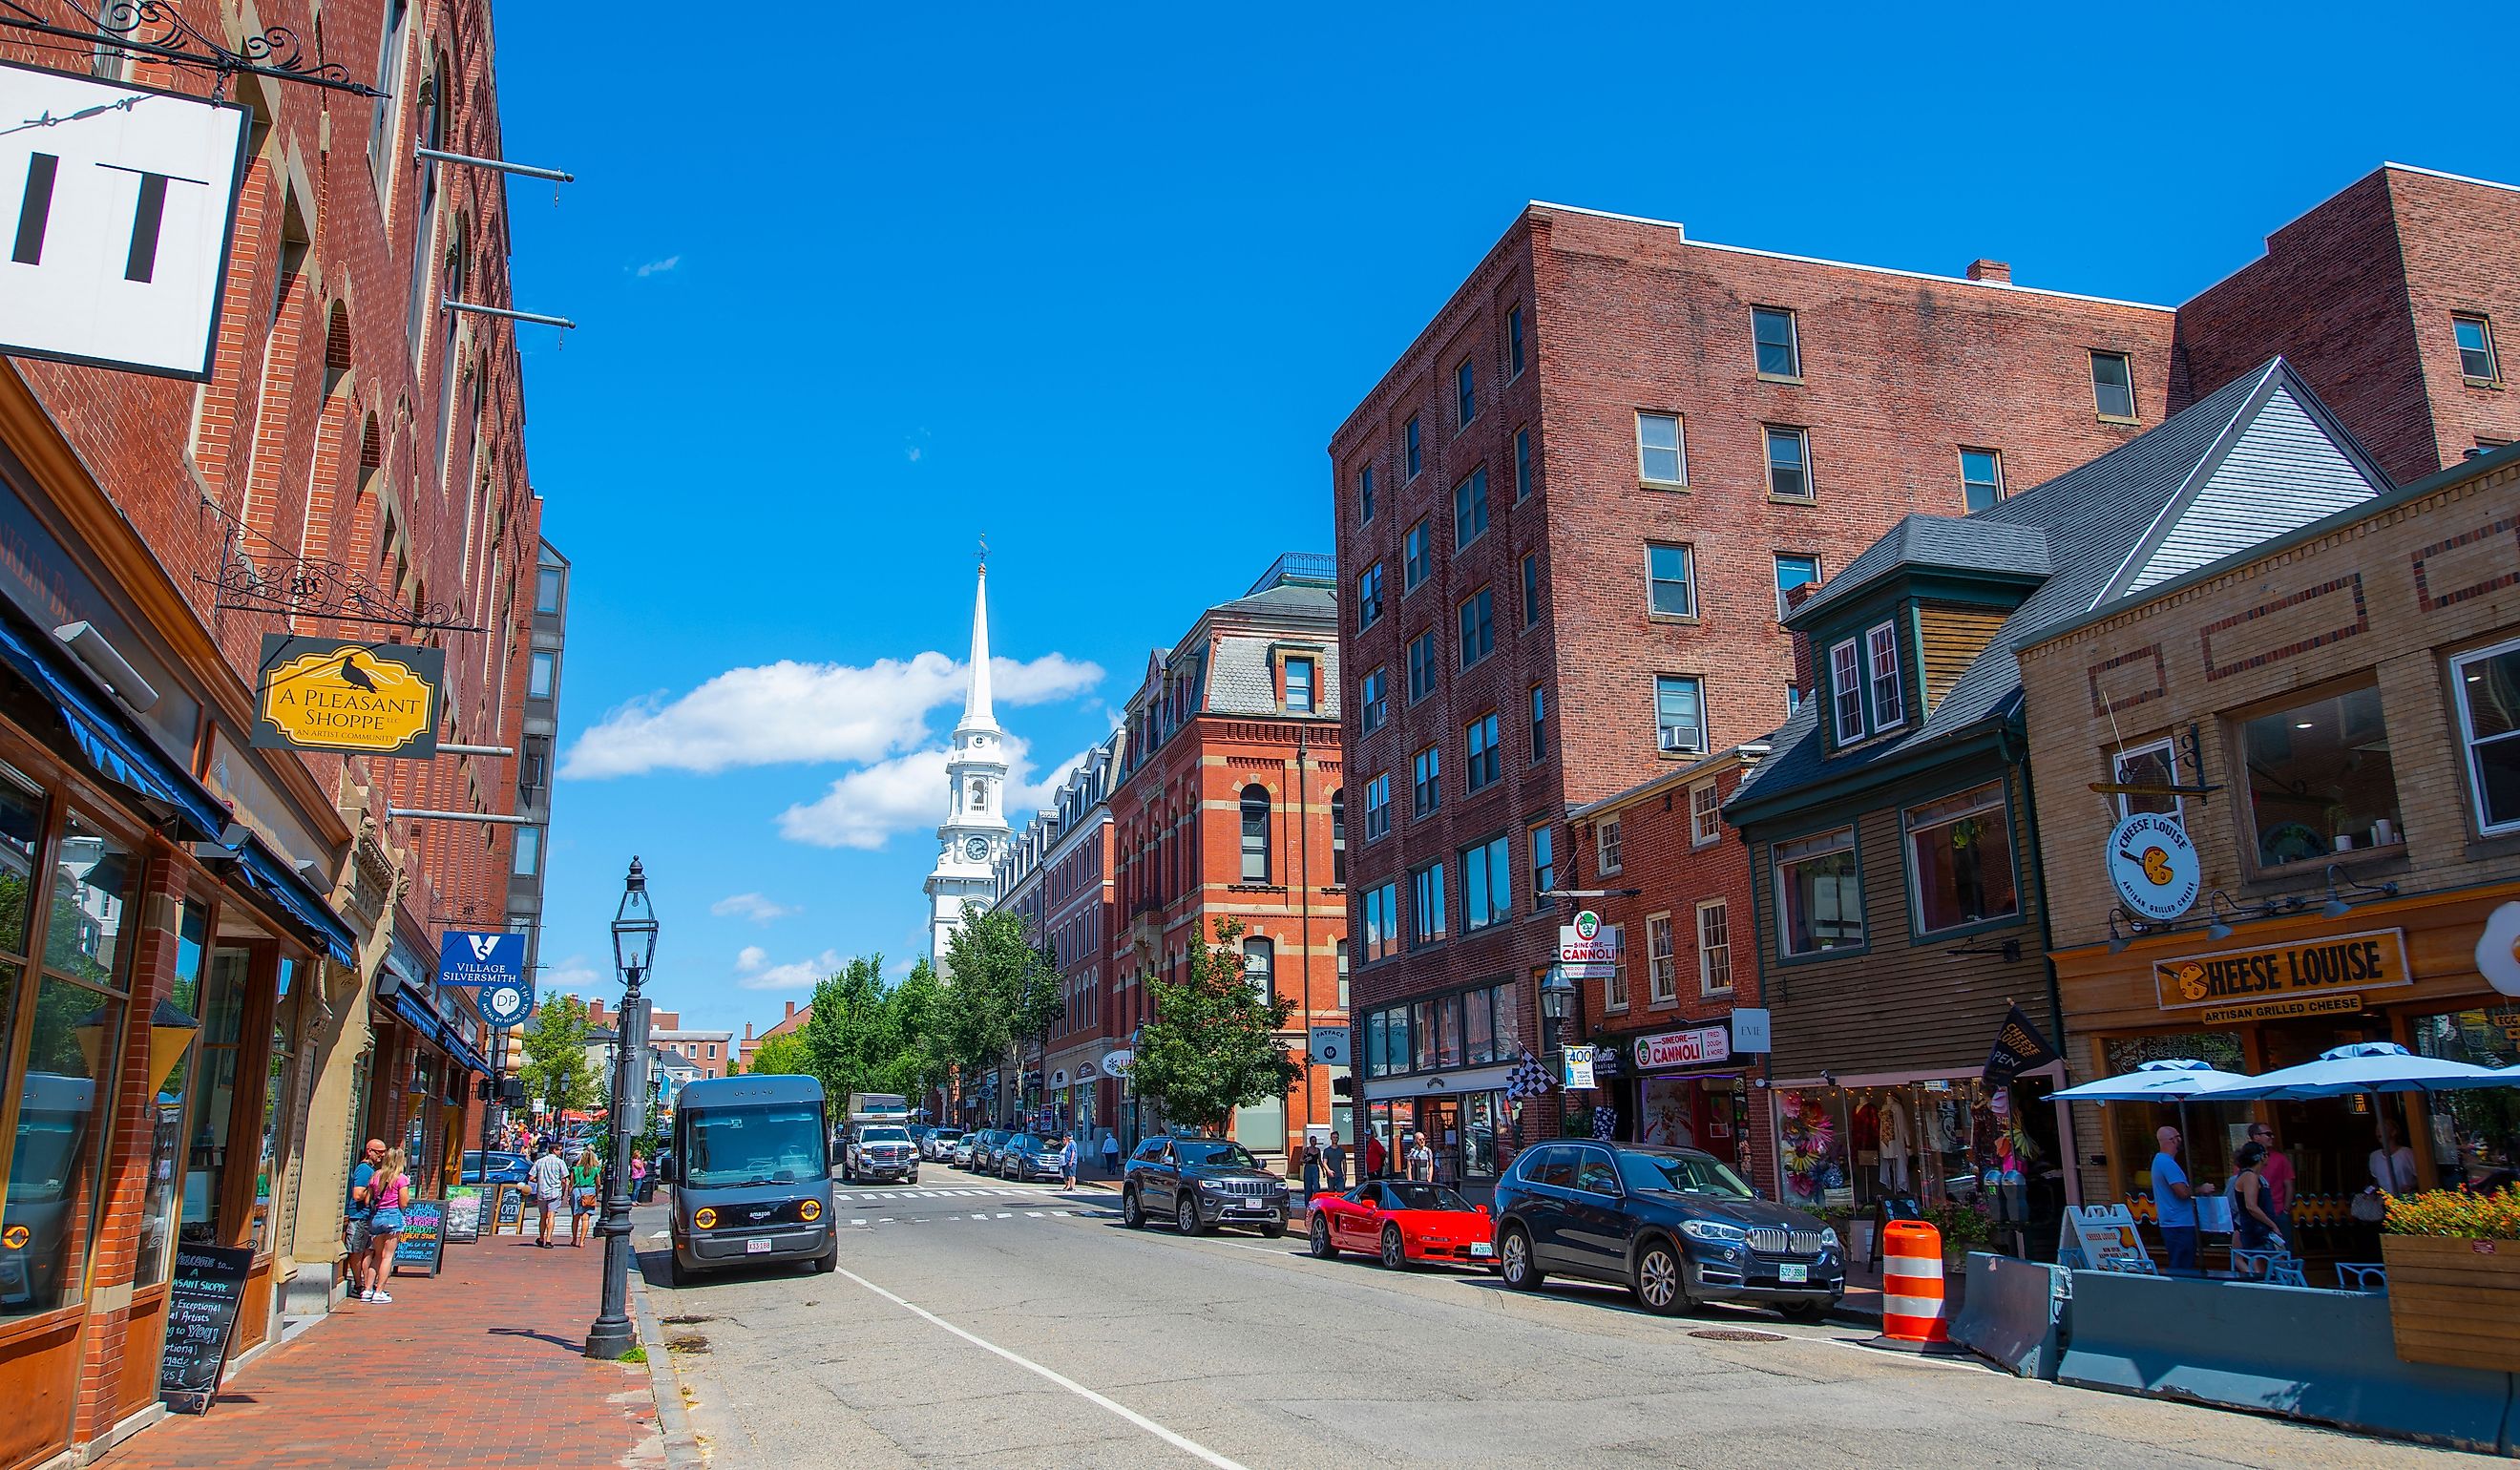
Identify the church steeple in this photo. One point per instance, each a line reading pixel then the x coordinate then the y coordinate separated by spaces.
pixel 975 706
pixel 974 833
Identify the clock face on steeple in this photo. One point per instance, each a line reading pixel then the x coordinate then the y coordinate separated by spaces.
pixel 975 848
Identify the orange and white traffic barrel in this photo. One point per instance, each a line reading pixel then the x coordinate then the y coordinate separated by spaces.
pixel 1912 1286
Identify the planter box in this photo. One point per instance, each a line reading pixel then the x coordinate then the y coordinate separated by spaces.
pixel 2455 1301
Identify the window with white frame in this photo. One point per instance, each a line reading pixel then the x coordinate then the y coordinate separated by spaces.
pixel 1889 700
pixel 1299 686
pixel 1662 457
pixel 1662 965
pixel 2488 682
pixel 1605 847
pixel 1373 700
pixel 1714 948
pixel 1670 591
pixel 1846 691
pixel 1959 859
pixel 1820 894
pixel 1614 991
pixel 1706 814
pixel 2150 764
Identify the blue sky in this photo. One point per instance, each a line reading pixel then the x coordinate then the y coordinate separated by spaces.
pixel 1102 281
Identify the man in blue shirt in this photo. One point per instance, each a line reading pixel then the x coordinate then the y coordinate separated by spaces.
pixel 356 1214
pixel 2174 1201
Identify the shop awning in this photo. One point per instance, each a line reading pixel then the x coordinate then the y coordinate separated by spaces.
pixel 117 748
pixel 274 879
pixel 419 1014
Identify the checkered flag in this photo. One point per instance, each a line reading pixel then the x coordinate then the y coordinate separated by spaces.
pixel 1527 1080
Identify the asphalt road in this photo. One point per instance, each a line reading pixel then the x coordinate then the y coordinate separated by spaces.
pixel 1028 1327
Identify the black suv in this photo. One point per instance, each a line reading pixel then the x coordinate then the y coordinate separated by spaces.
pixel 1200 1184
pixel 1674 1225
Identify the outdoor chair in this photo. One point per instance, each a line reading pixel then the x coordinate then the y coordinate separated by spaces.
pixel 2373 1277
pixel 2276 1267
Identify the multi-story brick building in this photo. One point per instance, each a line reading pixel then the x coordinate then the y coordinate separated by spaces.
pixel 1230 806
pixel 1570 514
pixel 790 1024
pixel 246 937
pixel 1055 877
pixel 710 1053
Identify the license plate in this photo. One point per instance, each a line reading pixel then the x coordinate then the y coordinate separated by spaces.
pixel 756 1247
pixel 1793 1272
pixel 1481 1248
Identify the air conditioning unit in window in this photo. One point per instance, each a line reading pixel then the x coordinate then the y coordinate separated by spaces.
pixel 1678 740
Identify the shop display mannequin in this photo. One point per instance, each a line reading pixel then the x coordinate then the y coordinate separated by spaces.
pixel 1895 1144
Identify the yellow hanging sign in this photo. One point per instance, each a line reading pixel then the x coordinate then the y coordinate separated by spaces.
pixel 325 693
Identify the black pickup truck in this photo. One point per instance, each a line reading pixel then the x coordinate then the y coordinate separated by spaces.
pixel 1199 1183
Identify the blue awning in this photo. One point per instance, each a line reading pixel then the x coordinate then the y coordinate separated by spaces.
pixel 116 746
pixel 419 1014
pixel 271 876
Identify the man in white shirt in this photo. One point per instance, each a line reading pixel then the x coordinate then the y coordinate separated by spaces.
pixel 550 1179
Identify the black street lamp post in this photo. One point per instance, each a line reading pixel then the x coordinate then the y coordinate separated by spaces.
pixel 634 948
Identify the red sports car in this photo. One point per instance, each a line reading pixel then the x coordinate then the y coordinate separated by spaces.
pixel 1401 1222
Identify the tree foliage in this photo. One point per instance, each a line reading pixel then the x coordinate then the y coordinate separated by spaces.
pixel 1005 995
pixel 557 1068
pixel 782 1055
pixel 1212 1045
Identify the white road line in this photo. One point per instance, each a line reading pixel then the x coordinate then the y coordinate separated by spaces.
pixel 1004 1215
pixel 979 1216
pixel 885 1220
pixel 1028 1215
pixel 1179 1442
pixel 861 1220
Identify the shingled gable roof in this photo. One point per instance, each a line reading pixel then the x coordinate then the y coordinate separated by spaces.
pixel 2249 461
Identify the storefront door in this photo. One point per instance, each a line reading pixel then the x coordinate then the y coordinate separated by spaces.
pixel 1439 1121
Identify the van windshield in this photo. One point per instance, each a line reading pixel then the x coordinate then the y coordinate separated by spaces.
pixel 764 1143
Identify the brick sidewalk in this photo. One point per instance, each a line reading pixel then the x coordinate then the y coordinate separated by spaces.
pixel 476 1366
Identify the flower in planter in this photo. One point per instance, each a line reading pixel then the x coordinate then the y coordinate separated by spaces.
pixel 2457 1212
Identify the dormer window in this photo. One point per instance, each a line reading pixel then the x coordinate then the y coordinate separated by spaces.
pixel 1889 707
pixel 1846 691
pixel 1865 694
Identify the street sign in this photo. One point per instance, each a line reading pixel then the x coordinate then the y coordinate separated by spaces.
pixel 122 227
pixel 470 958
pixel 1328 1046
pixel 1586 950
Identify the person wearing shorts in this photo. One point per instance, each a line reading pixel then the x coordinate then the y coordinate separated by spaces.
pixel 388 1190
pixel 586 1182
pixel 551 1182
pixel 356 1216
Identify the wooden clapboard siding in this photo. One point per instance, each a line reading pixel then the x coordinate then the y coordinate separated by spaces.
pixel 1900 1005
pixel 1948 640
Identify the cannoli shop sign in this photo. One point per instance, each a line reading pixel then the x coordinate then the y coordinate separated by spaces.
pixel 331 694
pixel 2373 960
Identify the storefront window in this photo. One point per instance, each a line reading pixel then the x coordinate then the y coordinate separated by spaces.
pixel 2209 1140
pixel 276 1102
pixel 1448 1031
pixel 1960 858
pixel 214 1084
pixel 21 835
pixel 2475 1134
pixel 1421 1028
pixel 1483 1122
pixel 1820 898
pixel 2320 779
pixel 89 936
pixel 174 1021
pixel 1479 1026
pixel 57 1156
pixel 1811 1147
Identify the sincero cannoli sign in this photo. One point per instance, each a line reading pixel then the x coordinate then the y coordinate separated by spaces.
pixel 331 693
pixel 2341 962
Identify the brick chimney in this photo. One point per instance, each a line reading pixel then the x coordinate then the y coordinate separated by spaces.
pixel 791 1010
pixel 1806 673
pixel 1990 270
pixel 595 1012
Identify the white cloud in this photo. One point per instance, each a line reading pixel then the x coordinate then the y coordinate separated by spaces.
pixel 865 807
pixel 789 711
pixel 572 976
pixel 755 971
pixel 657 267
pixel 751 906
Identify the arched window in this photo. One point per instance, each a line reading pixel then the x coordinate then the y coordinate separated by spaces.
pixel 1255 834
pixel 1260 967
pixel 1339 837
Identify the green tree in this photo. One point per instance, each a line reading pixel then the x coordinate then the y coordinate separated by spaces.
pixel 915 1021
pixel 1004 993
pixel 557 1068
pixel 1212 1045
pixel 782 1055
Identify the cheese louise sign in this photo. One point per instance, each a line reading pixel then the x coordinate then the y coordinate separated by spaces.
pixel 331 693
pixel 2336 963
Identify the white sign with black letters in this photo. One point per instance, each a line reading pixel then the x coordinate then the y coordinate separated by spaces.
pixel 117 205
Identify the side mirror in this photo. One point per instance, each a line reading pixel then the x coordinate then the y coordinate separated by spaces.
pixel 665 1170
pixel 1483 1209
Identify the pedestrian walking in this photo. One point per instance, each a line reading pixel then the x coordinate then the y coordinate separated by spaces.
pixel 1111 1153
pixel 1334 1165
pixel 2277 1171
pixel 357 1216
pixel 639 1189
pixel 1311 1168
pixel 1374 1155
pixel 1421 1160
pixel 2174 1201
pixel 388 1190
pixel 2253 1218
pixel 1067 1161
pixel 550 1179
pixel 585 1182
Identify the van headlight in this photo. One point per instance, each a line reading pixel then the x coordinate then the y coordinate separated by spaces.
pixel 704 1217
pixel 810 1211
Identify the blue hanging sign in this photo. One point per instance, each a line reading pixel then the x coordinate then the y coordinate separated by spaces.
pixel 472 959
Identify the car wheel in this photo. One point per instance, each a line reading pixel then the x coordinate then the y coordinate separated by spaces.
pixel 1132 1214
pixel 1320 1239
pixel 830 1261
pixel 1514 1262
pixel 1395 1251
pixel 1186 1215
pixel 1273 1230
pixel 1657 1282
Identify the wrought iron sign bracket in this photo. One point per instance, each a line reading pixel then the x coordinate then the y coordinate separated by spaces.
pixel 157 30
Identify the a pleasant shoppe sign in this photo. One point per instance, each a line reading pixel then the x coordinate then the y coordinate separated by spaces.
pixel 2285 974
pixel 326 694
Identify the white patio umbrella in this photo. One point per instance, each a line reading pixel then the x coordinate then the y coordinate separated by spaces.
pixel 2173 1080
pixel 2370 1067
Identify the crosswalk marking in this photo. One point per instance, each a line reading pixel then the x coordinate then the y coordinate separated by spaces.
pixel 983 1217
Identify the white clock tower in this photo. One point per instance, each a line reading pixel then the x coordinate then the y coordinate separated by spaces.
pixel 974 833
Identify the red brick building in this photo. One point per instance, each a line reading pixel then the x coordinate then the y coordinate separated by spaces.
pixel 245 939
pixel 788 1025
pixel 1055 877
pixel 1569 513
pixel 1231 805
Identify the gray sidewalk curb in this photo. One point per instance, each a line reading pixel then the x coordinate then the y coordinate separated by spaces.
pixel 682 1446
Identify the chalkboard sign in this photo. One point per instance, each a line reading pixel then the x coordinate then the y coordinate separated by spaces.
pixel 202 1302
pixel 511 1209
pixel 463 1214
pixel 423 1243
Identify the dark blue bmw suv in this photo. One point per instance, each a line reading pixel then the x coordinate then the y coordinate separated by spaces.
pixel 1674 1225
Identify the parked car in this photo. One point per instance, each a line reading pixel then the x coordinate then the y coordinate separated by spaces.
pixel 1034 1156
pixel 1674 1225
pixel 505 1168
pixel 1010 1153
pixel 1400 1222
pixel 937 1148
pixel 995 1158
pixel 960 1156
pixel 879 1152
pixel 1199 1183
pixel 572 1142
